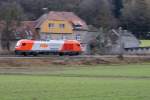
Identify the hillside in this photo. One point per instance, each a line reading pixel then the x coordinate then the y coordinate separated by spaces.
pixel 99 13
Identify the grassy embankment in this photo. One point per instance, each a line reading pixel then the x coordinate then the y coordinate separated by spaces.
pixel 145 43
pixel 103 82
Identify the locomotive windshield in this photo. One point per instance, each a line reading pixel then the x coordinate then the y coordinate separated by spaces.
pixel 18 44
pixel 23 44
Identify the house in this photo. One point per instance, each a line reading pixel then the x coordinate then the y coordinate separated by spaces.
pixel 21 30
pixel 61 25
pixel 125 39
pixel 26 30
pixel 56 25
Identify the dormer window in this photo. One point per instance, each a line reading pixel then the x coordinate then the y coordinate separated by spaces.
pixel 51 25
pixel 77 25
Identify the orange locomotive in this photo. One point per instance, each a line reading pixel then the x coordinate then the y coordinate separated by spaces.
pixel 61 47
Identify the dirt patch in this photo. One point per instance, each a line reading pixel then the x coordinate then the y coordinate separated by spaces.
pixel 52 64
pixel 21 62
pixel 5 53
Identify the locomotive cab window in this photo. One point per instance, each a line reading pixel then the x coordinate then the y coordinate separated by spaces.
pixel 78 45
pixel 23 44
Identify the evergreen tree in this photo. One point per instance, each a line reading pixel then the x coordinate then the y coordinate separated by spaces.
pixel 97 13
pixel 136 17
pixel 117 7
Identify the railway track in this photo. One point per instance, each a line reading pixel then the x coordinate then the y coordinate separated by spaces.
pixel 80 56
pixel 53 56
pixel 21 61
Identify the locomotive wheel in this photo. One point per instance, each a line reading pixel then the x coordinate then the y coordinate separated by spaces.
pixel 17 53
pixel 71 54
pixel 24 54
pixel 77 53
pixel 35 54
pixel 61 54
pixel 74 54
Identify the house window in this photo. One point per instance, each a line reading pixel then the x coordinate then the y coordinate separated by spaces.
pixel 64 37
pixel 78 37
pixel 62 25
pixel 18 35
pixel 44 36
pixel 48 37
pixel 51 25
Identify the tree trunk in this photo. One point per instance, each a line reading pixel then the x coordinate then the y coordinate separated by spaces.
pixel 8 45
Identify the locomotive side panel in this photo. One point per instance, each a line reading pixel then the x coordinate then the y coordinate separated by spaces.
pixel 30 47
pixel 40 46
pixel 45 47
pixel 73 46
pixel 55 45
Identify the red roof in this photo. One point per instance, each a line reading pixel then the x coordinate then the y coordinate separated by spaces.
pixel 68 16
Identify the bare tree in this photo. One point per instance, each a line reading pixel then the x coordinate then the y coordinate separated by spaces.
pixel 102 41
pixel 10 17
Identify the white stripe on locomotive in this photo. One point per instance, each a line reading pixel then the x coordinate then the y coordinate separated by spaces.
pixel 52 45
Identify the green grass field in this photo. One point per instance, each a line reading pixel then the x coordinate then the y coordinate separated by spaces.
pixel 103 82
pixel 145 43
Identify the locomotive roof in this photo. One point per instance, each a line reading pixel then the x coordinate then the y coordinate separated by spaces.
pixel 51 41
